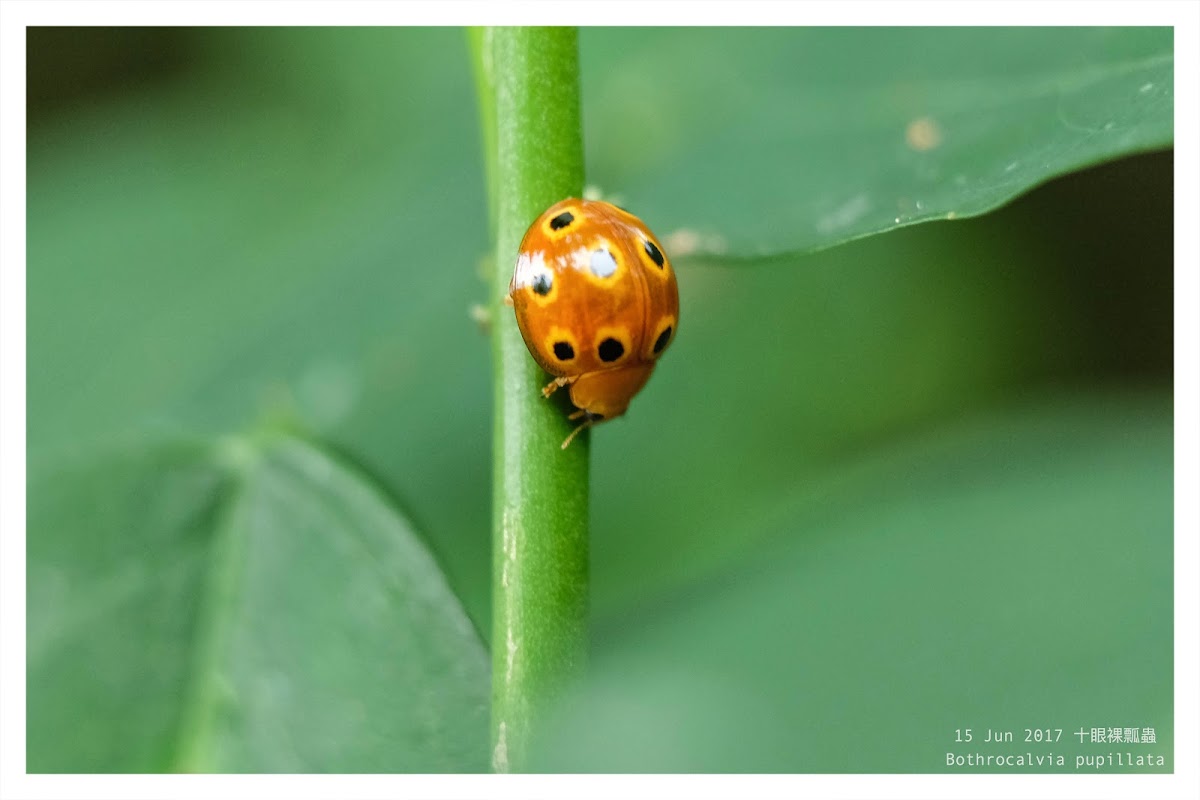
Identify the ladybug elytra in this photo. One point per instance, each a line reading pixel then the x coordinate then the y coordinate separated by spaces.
pixel 597 304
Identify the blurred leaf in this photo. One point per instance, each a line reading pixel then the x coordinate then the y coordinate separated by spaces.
pixel 292 234
pixel 781 373
pixel 247 607
pixel 1007 572
pixel 760 141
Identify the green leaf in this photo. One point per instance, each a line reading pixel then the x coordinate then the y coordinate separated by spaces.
pixel 779 374
pixel 761 141
pixel 1010 571
pixel 252 606
pixel 261 238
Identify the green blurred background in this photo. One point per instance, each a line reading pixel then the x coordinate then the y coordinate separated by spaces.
pixel 914 483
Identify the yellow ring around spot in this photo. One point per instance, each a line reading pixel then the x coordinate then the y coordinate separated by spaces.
pixel 558 334
pixel 554 235
pixel 664 323
pixel 662 272
pixel 611 332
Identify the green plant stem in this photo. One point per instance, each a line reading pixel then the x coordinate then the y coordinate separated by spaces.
pixel 540 491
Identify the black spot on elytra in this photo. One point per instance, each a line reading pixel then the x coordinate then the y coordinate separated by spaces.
pixel 662 340
pixel 655 254
pixel 563 351
pixel 561 221
pixel 542 283
pixel 610 350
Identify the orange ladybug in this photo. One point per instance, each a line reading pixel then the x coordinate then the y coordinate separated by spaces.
pixel 596 302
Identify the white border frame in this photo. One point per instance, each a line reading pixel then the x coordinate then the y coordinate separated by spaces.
pixel 16 15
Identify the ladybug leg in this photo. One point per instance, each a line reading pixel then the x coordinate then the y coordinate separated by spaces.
pixel 556 384
pixel 587 423
pixel 589 419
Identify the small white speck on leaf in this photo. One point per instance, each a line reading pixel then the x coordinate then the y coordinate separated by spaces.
pixel 686 242
pixel 844 215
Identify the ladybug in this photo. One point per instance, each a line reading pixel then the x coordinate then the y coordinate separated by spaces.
pixel 596 302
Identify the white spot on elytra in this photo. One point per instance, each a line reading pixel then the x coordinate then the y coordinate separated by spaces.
pixel 529 266
pixel 602 264
pixel 581 259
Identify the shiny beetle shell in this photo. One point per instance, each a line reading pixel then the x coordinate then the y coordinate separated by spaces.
pixel 597 304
